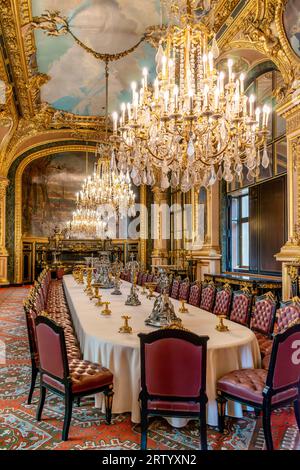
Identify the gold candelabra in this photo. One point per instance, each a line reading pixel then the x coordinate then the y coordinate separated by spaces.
pixel 106 311
pixel 183 308
pixel 125 328
pixel 220 325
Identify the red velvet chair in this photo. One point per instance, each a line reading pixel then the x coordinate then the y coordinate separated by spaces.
pixel 30 316
pixel 262 321
pixel 184 290
pixel 288 313
pixel 175 289
pixel 207 296
pixel 241 307
pixel 195 294
pixel 267 390
pixel 70 380
pixel 144 278
pixel 223 300
pixel 168 386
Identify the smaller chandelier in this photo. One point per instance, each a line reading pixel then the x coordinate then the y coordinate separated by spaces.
pixel 88 222
pixel 196 124
pixel 107 187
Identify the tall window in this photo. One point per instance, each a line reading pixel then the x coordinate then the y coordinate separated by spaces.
pixel 239 240
pixel 246 235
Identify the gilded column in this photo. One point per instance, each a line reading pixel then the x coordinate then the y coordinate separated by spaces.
pixel 3 251
pixel 208 256
pixel 143 225
pixel 290 252
pixel 159 216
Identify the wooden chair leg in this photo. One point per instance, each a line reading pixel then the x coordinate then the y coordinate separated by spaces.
pixel 267 427
pixel 34 373
pixel 144 430
pixel 297 412
pixel 108 395
pixel 68 415
pixel 78 401
pixel 203 427
pixel 41 403
pixel 221 402
pixel 257 413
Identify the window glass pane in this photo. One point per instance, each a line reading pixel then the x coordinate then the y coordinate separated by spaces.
pixel 234 244
pixel 245 206
pixel 245 244
pixel 281 156
pixel 234 208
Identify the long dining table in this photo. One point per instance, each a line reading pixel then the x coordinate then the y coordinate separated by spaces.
pixel 101 341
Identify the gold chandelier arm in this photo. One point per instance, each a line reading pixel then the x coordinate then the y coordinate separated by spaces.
pixel 54 24
pixel 105 57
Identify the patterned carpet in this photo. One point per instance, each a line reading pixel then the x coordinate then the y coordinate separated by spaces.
pixel 20 430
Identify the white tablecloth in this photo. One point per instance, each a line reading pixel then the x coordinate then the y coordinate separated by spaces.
pixel 101 342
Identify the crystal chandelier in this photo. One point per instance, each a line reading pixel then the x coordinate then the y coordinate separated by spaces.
pixel 196 124
pixel 107 187
pixel 88 222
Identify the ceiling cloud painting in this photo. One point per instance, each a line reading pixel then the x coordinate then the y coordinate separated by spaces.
pixel 77 79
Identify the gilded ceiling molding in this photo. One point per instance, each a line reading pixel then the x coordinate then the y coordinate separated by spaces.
pixel 11 29
pixel 253 28
pixel 49 119
pixel 18 198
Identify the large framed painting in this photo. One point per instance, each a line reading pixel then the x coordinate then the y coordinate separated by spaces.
pixel 49 187
pixel 291 21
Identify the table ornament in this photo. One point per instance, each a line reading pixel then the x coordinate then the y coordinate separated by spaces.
pixel 144 291
pixel 117 284
pixel 220 325
pixel 106 310
pixel 125 328
pixel 99 302
pixel 183 308
pixel 89 290
pixel 151 286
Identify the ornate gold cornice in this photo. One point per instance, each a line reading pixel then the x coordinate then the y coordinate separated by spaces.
pixel 253 29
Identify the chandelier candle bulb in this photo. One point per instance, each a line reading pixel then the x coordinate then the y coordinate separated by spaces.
pixel 230 64
pixel 145 76
pixel 115 122
pixel 251 105
pixel 175 94
pixel 164 67
pixel 204 59
pixel 257 116
pixel 210 62
pixel 156 89
pixel 242 82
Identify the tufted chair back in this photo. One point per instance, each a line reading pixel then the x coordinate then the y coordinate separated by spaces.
pixel 207 296
pixel 223 300
pixel 195 294
pixel 241 307
pixel 144 278
pixel 51 348
pixel 164 356
pixel 284 368
pixel 263 315
pixel 139 278
pixel 175 289
pixel 150 277
pixel 288 313
pixel 184 290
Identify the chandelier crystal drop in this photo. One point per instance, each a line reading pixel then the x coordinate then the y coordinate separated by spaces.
pixel 195 125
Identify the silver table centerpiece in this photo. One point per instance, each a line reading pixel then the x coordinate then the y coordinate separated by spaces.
pixel 163 313
pixel 133 267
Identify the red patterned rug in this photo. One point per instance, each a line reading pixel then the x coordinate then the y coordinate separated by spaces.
pixel 20 430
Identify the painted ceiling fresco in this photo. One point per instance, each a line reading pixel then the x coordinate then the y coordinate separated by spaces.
pixel 77 79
